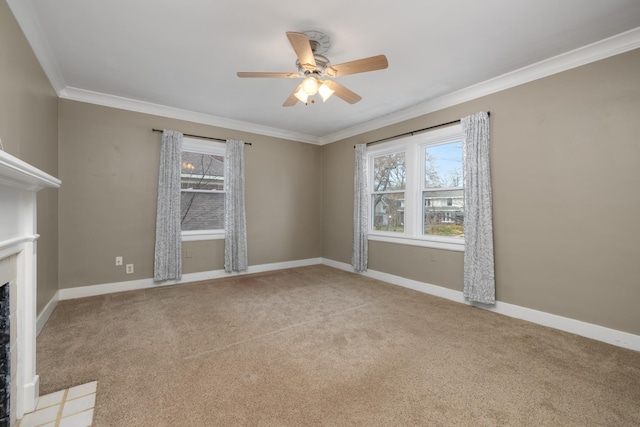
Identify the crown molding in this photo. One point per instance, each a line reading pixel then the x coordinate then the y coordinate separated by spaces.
pixel 602 49
pixel 32 29
pixel 129 104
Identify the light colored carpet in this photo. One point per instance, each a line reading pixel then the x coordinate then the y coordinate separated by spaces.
pixel 316 346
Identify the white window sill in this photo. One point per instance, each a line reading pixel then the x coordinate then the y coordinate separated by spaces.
pixel 436 243
pixel 192 236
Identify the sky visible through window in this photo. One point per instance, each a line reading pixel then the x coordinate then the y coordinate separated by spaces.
pixel 445 161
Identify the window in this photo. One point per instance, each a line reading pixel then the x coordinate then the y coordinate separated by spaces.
pixel 442 192
pixel 389 177
pixel 417 194
pixel 202 190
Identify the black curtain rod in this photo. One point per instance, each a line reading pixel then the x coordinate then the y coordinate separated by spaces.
pixel 202 137
pixel 416 131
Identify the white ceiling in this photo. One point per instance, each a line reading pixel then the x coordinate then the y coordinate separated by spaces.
pixel 180 58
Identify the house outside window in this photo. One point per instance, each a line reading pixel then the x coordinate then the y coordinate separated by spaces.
pixel 416 190
pixel 202 190
pixel 443 191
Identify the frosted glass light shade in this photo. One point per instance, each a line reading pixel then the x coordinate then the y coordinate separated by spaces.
pixel 325 92
pixel 301 95
pixel 310 85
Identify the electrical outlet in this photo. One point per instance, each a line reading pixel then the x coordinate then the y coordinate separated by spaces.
pixel 118 260
pixel 129 268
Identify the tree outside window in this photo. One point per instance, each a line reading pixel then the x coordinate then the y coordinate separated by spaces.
pixel 389 180
pixel 202 192
pixel 443 193
pixel 416 190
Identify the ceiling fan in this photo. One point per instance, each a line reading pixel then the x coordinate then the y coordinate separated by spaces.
pixel 315 68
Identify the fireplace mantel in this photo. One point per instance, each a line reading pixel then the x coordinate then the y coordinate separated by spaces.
pixel 19 183
pixel 18 174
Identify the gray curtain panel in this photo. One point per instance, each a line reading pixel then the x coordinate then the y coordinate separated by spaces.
pixel 360 210
pixel 168 252
pixel 479 276
pixel 235 223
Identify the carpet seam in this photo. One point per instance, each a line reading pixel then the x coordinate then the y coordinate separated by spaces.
pixel 267 334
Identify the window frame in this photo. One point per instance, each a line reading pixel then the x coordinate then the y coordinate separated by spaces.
pixel 413 147
pixel 372 193
pixel 201 146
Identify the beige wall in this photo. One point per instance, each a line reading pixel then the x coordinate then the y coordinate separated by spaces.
pixel 29 131
pixel 109 165
pixel 566 173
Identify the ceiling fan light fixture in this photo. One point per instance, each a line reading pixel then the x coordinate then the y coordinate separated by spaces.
pixel 301 95
pixel 325 91
pixel 310 85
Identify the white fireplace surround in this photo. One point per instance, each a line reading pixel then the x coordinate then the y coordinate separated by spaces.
pixel 19 183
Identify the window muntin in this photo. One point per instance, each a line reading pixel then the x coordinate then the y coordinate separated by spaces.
pixel 387 199
pixel 202 189
pixel 425 189
pixel 442 192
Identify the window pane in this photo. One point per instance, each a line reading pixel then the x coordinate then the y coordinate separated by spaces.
pixel 389 172
pixel 443 165
pixel 443 203
pixel 388 212
pixel 202 211
pixel 202 171
pixel 444 212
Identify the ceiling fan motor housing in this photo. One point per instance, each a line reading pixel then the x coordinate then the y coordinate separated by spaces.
pixel 322 62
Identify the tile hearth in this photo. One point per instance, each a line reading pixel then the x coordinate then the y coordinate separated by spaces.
pixel 72 407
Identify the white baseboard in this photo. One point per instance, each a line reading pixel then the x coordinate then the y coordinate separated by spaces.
pixel 30 394
pixel 588 330
pixel 44 315
pixel 109 288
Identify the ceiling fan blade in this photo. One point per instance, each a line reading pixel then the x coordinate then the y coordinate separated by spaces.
pixel 372 63
pixel 302 47
pixel 258 74
pixel 291 100
pixel 342 92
